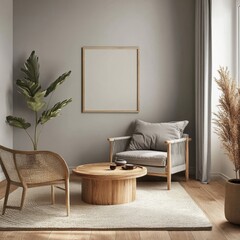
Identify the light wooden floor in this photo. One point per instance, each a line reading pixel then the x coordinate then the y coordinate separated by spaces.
pixel 210 197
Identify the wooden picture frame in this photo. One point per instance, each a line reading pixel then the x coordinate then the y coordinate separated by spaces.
pixel 110 79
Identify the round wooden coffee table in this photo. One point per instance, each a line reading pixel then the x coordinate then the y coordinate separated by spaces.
pixel 103 186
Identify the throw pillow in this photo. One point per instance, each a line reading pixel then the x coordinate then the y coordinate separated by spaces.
pixel 152 136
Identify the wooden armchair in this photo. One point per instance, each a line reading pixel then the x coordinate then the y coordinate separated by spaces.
pixel 28 169
pixel 158 163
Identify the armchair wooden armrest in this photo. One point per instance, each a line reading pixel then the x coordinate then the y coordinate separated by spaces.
pixel 112 139
pixel 178 140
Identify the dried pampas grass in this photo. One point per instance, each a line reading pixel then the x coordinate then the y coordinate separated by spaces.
pixel 227 119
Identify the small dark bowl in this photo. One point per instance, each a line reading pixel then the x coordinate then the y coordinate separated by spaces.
pixel 113 166
pixel 129 166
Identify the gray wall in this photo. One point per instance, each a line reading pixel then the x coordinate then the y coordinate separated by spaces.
pixel 6 60
pixel 57 29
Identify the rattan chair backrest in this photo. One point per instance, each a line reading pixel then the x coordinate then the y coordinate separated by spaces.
pixel 32 167
pixel 8 164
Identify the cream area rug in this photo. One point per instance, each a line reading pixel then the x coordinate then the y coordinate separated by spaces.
pixel 154 208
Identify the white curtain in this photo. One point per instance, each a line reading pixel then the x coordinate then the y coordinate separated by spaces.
pixel 203 77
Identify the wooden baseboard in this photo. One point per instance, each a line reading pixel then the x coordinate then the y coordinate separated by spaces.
pixel 215 175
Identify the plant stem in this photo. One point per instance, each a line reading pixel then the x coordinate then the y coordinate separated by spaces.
pixel 39 133
pixel 29 136
pixel 35 131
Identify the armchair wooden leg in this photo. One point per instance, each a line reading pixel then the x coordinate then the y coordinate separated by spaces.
pixel 187 161
pixel 67 195
pixel 23 197
pixel 169 166
pixel 6 198
pixel 53 194
pixel 186 175
pixel 169 178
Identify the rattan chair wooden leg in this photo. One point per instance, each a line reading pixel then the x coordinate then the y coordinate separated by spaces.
pixel 53 194
pixel 23 197
pixel 6 197
pixel 67 195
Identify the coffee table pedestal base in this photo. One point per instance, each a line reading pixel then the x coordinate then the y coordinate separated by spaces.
pixel 108 192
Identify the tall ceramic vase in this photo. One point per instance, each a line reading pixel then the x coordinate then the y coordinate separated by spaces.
pixel 232 201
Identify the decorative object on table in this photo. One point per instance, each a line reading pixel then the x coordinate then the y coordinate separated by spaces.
pixel 29 169
pixel 120 162
pixel 129 166
pixel 162 148
pixel 110 79
pixel 113 166
pixel 29 86
pixel 228 129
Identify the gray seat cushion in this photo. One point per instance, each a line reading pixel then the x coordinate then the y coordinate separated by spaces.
pixel 144 157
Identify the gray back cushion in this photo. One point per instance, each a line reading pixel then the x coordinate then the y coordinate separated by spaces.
pixel 152 136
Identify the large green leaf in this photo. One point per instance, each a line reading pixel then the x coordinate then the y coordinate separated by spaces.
pixel 17 122
pixel 31 68
pixel 28 88
pixel 57 82
pixel 36 103
pixel 54 111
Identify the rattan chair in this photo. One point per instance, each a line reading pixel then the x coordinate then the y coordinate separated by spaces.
pixel 28 169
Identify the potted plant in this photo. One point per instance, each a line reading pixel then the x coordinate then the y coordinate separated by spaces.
pixel 228 129
pixel 29 86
